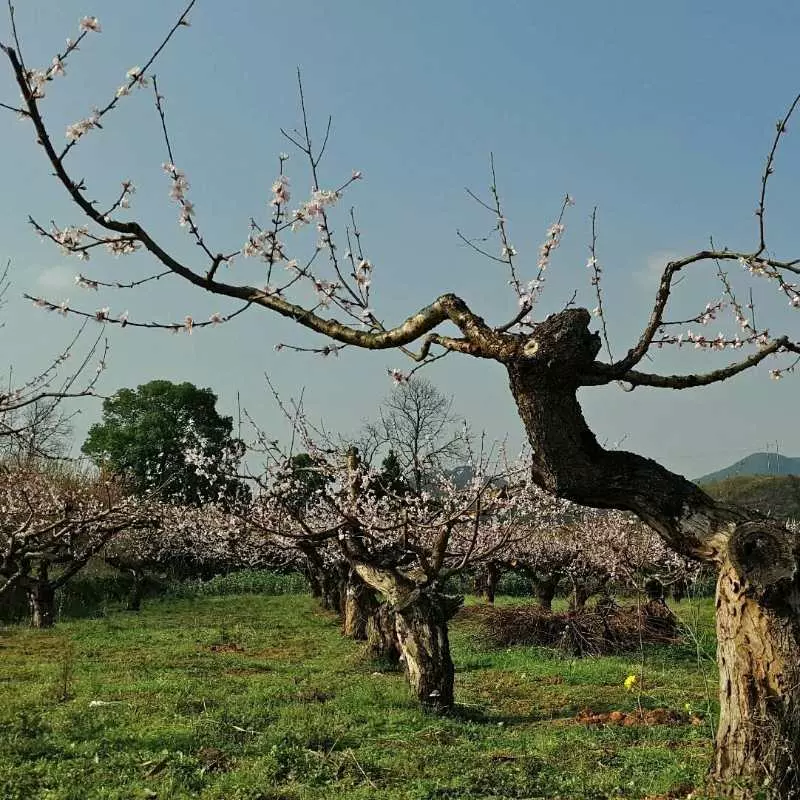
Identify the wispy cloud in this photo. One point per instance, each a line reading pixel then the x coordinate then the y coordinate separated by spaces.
pixel 647 276
pixel 56 278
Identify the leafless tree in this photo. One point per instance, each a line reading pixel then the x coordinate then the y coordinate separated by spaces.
pixel 33 419
pixel 41 430
pixel 418 423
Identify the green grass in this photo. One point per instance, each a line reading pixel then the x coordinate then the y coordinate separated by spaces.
pixel 260 698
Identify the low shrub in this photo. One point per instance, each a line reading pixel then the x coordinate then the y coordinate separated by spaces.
pixel 244 582
pixel 91 593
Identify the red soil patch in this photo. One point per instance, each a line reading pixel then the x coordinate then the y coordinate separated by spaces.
pixel 653 716
pixel 232 647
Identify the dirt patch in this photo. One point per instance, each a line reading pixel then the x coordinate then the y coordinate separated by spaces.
pixel 288 652
pixel 228 647
pixel 652 716
pixel 214 760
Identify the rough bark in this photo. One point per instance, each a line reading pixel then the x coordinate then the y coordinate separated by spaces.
pixel 758 601
pixel 758 653
pixel 359 606
pixel 41 596
pixel 479 584
pixel 578 597
pixel 135 595
pixel 545 589
pixel 492 579
pixel 421 625
pixel 382 642
pixel 333 592
pixel 421 615
pixel 569 462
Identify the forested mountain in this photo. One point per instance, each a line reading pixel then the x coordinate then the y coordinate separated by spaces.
pixel 756 464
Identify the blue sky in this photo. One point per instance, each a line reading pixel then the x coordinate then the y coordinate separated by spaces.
pixel 659 114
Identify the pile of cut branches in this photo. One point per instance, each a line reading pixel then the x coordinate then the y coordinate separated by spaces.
pixel 599 630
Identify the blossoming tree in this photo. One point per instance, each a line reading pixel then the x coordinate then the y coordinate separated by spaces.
pixel 53 522
pixel 402 545
pixel 204 539
pixel 548 360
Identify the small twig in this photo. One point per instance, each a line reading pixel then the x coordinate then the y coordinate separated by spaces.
pixel 597 272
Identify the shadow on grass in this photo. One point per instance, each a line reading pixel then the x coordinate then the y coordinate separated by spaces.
pixel 479 715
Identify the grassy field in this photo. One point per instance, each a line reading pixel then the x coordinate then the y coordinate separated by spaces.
pixel 259 698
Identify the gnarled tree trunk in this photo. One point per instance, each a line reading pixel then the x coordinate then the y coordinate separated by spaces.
pixel 421 614
pixel 421 624
pixel 758 593
pixel 758 653
pixel 41 596
pixel 578 597
pixel 492 579
pixel 359 606
pixel 135 595
pixel 323 581
pixel 382 636
pixel 545 589
pixel 314 582
pixel 333 592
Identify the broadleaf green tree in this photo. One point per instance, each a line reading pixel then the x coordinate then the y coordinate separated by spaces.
pixel 169 435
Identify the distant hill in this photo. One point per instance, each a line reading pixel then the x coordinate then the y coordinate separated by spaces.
pixel 756 464
pixel 775 495
pixel 462 476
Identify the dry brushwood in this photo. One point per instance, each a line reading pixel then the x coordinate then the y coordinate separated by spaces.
pixel 584 632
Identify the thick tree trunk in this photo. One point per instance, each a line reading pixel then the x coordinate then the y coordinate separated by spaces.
pixel 334 584
pixel 758 652
pixel 382 637
pixel 332 593
pixel 42 596
pixel 679 589
pixel 421 614
pixel 758 599
pixel 421 626
pixel 315 582
pixel 326 581
pixel 135 594
pixel 492 579
pixel 359 606
pixel 578 597
pixel 545 589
